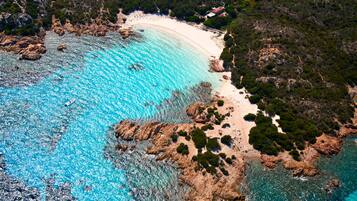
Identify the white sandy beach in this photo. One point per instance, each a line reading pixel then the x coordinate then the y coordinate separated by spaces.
pixel 212 44
pixel 206 41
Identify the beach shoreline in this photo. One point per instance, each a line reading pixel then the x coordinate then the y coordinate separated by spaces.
pixel 209 42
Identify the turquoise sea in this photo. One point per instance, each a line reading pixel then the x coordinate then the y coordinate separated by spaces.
pixel 69 151
pixel 110 80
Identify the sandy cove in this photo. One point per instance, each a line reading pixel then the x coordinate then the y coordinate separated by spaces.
pixel 204 186
pixel 209 42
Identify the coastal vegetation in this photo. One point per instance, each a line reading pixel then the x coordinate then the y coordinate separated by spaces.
pixel 220 103
pixel 182 149
pixel 227 140
pixel 295 58
pixel 250 117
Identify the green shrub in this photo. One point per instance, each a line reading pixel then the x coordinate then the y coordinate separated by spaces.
pixel 295 154
pixel 182 133
pixel 213 145
pixel 226 125
pixel 174 138
pixel 228 160
pixel 187 137
pixel 222 155
pixel 224 171
pixel 250 117
pixel 220 103
pixel 217 22
pixel 227 140
pixel 207 127
pixel 199 138
pixel 182 149
pixel 254 99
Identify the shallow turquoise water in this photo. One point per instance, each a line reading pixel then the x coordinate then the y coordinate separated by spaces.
pixel 41 138
pixel 279 185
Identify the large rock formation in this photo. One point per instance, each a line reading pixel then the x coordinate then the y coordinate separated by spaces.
pixel 327 145
pixel 204 186
pixel 304 167
pixel 29 48
pixel 129 130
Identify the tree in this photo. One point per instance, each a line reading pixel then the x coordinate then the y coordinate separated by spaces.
pixel 249 117
pixel 199 138
pixel 182 149
pixel 220 103
pixel 213 145
pixel 174 138
pixel 227 140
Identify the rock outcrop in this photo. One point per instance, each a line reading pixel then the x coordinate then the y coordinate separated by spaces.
pixel 129 130
pixel 30 48
pixel 216 65
pixel 97 28
pixel 304 167
pixel 331 185
pixel 204 186
pixel 327 145
pixel 61 47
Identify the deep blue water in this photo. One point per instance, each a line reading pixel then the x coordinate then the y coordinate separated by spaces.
pixel 279 185
pixel 41 138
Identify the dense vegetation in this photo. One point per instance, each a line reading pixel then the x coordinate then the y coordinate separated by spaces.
pixel 85 11
pixel 296 58
pixel 182 149
pixel 18 23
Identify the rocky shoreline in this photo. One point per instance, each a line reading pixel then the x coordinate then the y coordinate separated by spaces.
pixel 32 47
pixel 325 145
pixel 204 184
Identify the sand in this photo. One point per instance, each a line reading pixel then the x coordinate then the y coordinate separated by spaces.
pixel 208 42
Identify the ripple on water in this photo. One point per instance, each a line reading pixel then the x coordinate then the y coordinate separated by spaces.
pixel 44 139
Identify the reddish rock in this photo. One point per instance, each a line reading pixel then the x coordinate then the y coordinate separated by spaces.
pixel 269 161
pixel 31 56
pixel 216 65
pixel 327 145
pixel 61 47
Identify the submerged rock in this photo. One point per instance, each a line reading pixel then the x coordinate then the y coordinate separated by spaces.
pixel 331 185
pixel 136 67
pixel 31 56
pixel 61 47
pixel 12 189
